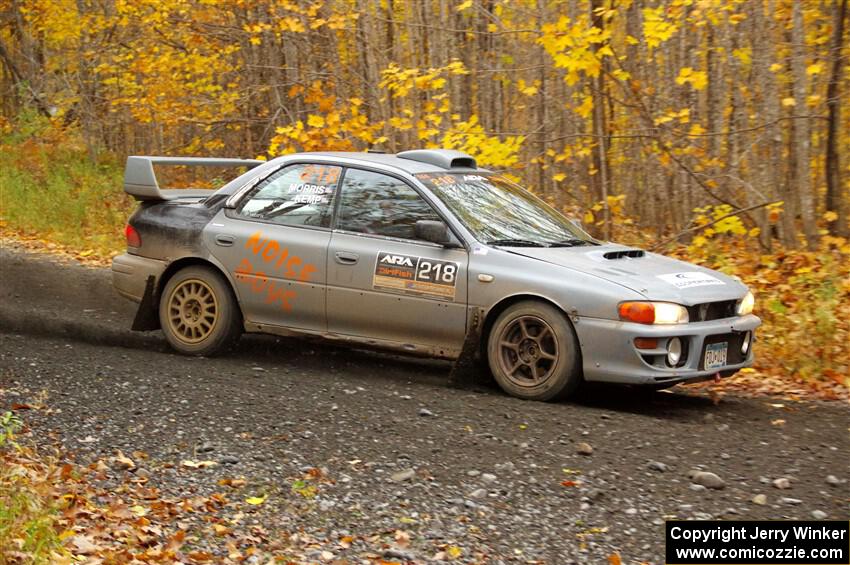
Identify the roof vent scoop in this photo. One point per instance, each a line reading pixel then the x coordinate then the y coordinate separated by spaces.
pixel 623 253
pixel 443 158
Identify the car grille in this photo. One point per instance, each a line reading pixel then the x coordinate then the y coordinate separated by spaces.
pixel 712 311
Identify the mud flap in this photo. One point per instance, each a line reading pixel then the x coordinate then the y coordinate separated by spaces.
pixel 147 318
pixel 469 370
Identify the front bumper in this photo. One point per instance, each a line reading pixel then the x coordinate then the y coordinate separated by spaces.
pixel 609 353
pixel 130 274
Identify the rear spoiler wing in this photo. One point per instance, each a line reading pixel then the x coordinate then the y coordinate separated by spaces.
pixel 140 179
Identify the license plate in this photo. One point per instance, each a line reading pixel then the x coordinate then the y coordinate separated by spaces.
pixel 715 355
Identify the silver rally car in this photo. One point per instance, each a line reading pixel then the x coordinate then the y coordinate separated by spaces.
pixel 421 252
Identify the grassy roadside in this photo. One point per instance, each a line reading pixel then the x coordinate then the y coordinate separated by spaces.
pixel 29 530
pixel 50 190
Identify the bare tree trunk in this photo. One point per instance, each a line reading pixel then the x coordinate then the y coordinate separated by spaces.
pixel 600 152
pixel 834 188
pixel 19 79
pixel 764 149
pixel 714 113
pixel 542 110
pixel 802 128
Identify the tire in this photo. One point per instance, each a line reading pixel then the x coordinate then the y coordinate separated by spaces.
pixel 533 337
pixel 198 312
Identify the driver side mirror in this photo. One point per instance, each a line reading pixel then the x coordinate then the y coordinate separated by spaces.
pixel 436 232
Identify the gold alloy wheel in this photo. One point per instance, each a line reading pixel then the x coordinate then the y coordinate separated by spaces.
pixel 192 311
pixel 528 351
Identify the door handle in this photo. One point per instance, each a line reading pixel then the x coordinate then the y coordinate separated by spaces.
pixel 346 257
pixel 224 240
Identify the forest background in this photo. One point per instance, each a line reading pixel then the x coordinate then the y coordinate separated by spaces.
pixel 716 131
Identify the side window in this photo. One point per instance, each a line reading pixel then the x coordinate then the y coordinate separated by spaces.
pixel 380 204
pixel 298 195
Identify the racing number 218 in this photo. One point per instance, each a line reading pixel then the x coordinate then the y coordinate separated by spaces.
pixel 438 272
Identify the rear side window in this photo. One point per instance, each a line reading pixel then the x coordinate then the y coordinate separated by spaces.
pixel 379 204
pixel 298 195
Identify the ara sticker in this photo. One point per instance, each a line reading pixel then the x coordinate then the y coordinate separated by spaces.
pixel 690 279
pixel 415 275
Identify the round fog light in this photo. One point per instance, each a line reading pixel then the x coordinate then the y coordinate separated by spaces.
pixel 745 345
pixel 674 351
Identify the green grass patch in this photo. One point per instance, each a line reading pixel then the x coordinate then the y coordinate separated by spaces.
pixel 51 189
pixel 28 511
pixel 27 522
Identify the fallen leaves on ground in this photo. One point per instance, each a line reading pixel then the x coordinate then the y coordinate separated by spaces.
pixel 36 243
pixel 197 464
pixel 754 384
pixel 123 462
pixel 122 509
pixel 104 513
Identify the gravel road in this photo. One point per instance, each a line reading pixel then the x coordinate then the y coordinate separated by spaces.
pixel 393 447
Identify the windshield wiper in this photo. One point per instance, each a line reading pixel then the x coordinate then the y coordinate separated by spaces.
pixel 570 243
pixel 285 210
pixel 516 243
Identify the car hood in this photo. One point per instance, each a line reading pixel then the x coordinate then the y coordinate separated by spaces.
pixel 654 276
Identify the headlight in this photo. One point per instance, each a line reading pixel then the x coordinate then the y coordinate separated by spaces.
pixel 653 313
pixel 745 306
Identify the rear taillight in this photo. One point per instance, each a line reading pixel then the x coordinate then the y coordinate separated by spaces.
pixel 133 237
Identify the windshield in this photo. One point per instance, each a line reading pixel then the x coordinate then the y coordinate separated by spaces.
pixel 499 212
